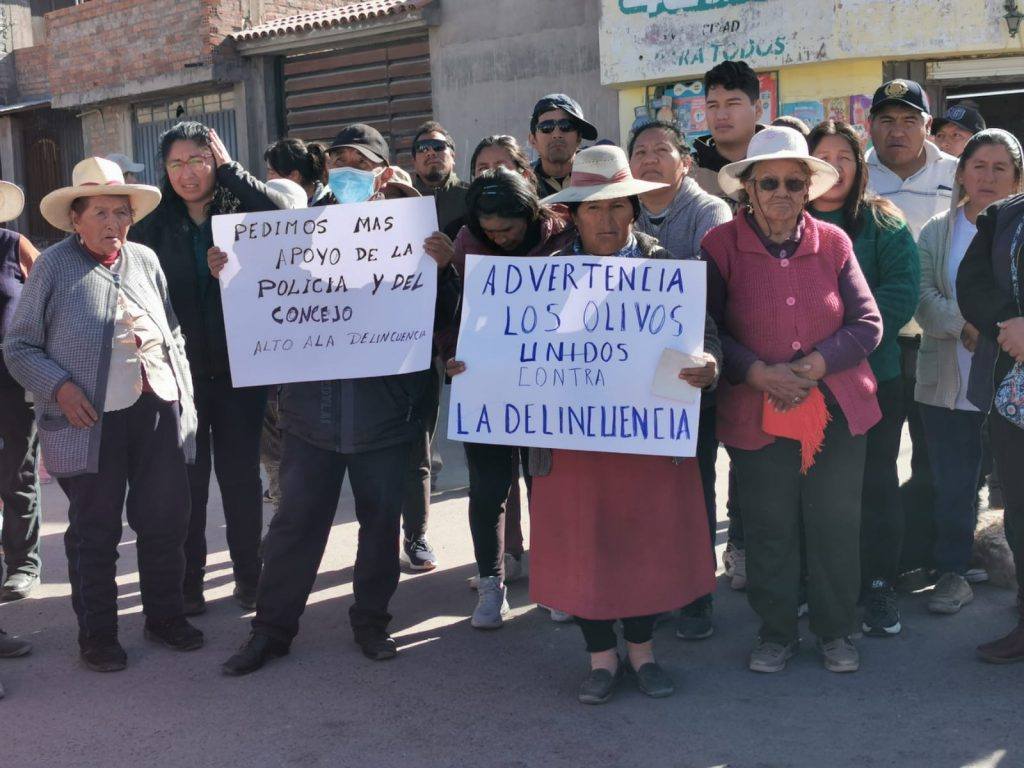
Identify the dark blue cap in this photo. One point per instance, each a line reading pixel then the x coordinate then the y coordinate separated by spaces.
pixel 571 106
pixel 905 92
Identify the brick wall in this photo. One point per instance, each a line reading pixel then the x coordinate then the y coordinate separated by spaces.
pixel 106 130
pixel 32 76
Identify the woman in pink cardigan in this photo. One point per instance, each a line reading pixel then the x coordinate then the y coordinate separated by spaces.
pixel 797 322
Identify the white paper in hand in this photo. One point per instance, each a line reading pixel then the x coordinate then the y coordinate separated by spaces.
pixel 666 376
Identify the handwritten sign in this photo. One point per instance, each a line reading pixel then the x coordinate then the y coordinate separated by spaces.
pixel 338 292
pixel 562 352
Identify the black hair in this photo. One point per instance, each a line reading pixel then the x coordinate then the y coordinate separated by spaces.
pixel 432 126
pixel 289 155
pixel 504 193
pixel 672 128
pixel 993 137
pixel 188 130
pixel 575 206
pixel 794 122
pixel 510 145
pixel 733 76
pixel 858 200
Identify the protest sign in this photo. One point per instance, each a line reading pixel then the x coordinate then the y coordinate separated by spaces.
pixel 338 292
pixel 562 352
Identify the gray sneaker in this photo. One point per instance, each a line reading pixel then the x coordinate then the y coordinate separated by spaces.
pixel 18 586
pixel 771 657
pixel 839 655
pixel 951 593
pixel 491 604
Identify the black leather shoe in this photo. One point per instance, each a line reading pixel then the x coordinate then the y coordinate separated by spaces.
pixel 12 648
pixel 654 681
pixel 245 596
pixel 18 586
pixel 599 686
pixel 175 633
pixel 378 647
pixel 103 653
pixel 194 604
pixel 254 653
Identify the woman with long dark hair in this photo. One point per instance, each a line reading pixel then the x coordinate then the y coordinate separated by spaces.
pixel 200 181
pixel 305 164
pixel 887 255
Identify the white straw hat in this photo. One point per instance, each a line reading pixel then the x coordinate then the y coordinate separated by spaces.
pixel 93 177
pixel 779 143
pixel 601 173
pixel 12 201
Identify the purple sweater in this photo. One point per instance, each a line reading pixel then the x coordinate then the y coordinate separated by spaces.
pixel 810 295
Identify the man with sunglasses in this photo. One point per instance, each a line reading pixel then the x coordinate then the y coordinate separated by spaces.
pixel 433 157
pixel 557 129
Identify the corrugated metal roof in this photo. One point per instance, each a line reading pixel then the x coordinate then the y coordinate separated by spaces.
pixel 329 19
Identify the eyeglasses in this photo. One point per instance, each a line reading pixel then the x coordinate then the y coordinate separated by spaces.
pixel 770 184
pixel 434 145
pixel 565 125
pixel 195 163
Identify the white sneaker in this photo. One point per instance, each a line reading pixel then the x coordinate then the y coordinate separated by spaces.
pixel 491 604
pixel 735 562
pixel 556 615
pixel 515 569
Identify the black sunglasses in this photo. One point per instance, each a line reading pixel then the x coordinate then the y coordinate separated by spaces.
pixel 565 125
pixel 770 184
pixel 435 145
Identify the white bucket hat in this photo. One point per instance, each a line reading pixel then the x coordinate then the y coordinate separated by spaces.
pixel 12 201
pixel 93 177
pixel 779 143
pixel 601 173
pixel 294 192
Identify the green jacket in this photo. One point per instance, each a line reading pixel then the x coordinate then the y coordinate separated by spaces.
pixel 887 256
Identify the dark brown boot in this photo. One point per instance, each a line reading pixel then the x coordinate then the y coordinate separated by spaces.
pixel 1005 650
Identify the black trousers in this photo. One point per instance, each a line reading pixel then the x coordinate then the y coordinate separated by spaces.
pixel 1008 453
pixel 19 483
pixel 599 634
pixel 882 520
pixel 493 470
pixel 416 505
pixel 311 479
pixel 139 451
pixel 918 493
pixel 707 454
pixel 230 426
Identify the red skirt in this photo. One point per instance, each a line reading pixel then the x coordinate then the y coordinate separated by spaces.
pixel 619 535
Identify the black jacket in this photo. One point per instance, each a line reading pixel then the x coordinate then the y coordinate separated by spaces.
pixel 169 231
pixel 984 292
pixel 360 415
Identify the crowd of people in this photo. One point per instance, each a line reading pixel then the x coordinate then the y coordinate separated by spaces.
pixel 850 292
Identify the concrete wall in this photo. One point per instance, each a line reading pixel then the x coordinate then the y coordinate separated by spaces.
pixel 491 61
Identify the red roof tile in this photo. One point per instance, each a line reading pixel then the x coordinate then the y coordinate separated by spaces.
pixel 351 13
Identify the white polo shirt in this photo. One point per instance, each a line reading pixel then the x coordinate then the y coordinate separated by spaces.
pixel 925 194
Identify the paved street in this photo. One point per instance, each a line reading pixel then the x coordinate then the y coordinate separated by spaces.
pixel 460 697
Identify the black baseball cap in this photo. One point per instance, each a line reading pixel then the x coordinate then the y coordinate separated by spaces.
pixel 364 138
pixel 561 101
pixel 964 117
pixel 905 92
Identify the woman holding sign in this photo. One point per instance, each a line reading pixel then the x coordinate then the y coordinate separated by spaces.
pixel 504 218
pixel 618 536
pixel 798 322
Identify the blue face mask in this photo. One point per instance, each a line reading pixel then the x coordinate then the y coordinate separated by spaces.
pixel 350 185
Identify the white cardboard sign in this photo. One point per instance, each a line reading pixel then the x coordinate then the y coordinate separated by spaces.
pixel 564 352
pixel 336 292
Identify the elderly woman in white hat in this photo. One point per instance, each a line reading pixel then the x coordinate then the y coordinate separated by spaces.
pixel 797 321
pixel 616 536
pixel 95 340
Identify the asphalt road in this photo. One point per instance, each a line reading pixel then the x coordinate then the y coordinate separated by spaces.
pixel 460 697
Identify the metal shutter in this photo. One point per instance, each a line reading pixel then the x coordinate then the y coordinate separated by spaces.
pixel 385 85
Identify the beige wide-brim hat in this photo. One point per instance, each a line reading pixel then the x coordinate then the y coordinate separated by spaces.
pixel 779 143
pixel 93 177
pixel 12 201
pixel 601 173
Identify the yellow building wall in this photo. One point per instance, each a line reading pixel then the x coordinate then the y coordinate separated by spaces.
pixel 809 82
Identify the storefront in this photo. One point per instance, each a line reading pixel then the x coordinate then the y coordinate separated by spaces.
pixel 816 58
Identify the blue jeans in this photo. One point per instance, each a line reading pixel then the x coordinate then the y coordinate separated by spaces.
pixel 954 451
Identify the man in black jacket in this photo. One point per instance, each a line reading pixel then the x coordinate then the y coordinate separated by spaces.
pixel 369 428
pixel 557 128
pixel 201 181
